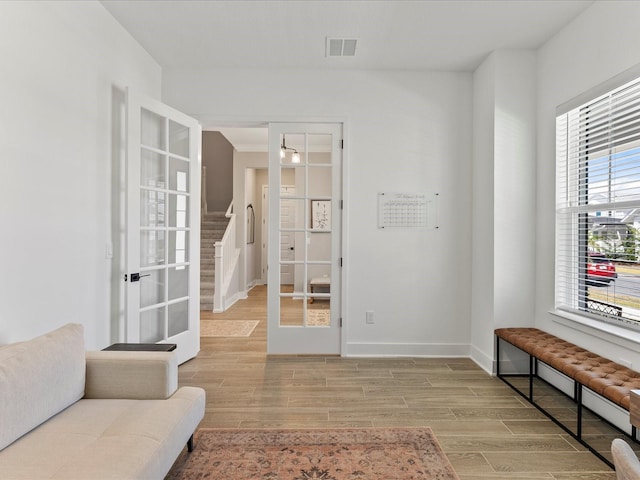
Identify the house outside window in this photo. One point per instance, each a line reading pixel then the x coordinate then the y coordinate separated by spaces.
pixel 598 207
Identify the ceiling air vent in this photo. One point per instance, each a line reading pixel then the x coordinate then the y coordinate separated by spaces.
pixel 341 47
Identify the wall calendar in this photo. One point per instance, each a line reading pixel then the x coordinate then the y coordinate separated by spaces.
pixel 407 210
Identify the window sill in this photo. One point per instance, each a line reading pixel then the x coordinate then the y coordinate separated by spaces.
pixel 609 332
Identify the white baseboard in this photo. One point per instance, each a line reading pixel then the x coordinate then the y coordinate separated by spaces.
pixel 484 361
pixel 406 350
pixel 228 302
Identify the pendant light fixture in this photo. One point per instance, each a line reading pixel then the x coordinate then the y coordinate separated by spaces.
pixel 295 156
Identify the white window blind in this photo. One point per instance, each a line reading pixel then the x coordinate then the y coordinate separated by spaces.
pixel 598 207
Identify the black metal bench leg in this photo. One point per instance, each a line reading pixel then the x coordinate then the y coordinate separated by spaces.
pixel 532 371
pixel 579 402
pixel 497 356
pixel 190 444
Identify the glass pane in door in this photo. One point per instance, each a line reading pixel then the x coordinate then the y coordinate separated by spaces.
pixel 152 169
pixel 178 246
pixel 152 208
pixel 178 282
pixel 319 247
pixel 178 211
pixel 320 181
pixel 178 139
pixel 292 312
pixel 178 317
pixel 152 248
pixel 178 175
pixel 319 148
pixel 152 323
pixel 287 261
pixel 152 288
pixel 152 130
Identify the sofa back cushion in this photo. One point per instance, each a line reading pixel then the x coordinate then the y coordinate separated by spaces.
pixel 39 378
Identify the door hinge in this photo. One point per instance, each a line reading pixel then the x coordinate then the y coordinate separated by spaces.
pixel 341 204
pixel 340 322
pixel 340 261
pixel 342 144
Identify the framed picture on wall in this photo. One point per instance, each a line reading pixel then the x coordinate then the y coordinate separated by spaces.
pixel 321 215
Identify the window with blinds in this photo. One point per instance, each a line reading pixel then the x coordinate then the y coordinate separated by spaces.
pixel 598 207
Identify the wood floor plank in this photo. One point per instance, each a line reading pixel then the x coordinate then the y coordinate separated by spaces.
pixel 486 430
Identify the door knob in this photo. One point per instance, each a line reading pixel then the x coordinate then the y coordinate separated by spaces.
pixel 135 277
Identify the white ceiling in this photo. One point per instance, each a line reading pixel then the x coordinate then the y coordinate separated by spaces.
pixel 450 35
pixel 243 139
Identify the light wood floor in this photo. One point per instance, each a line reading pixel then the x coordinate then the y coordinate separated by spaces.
pixel 486 429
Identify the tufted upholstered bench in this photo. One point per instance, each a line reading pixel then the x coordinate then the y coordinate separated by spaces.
pixel 601 375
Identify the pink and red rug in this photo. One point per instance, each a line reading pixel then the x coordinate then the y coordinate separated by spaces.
pixel 339 454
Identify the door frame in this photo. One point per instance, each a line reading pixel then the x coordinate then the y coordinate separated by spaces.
pixel 213 122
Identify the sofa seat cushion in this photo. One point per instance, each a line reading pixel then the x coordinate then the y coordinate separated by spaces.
pixel 38 379
pixel 107 439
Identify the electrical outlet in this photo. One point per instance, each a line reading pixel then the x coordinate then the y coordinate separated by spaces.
pixel 369 318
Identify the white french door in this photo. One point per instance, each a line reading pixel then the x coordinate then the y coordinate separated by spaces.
pixel 163 226
pixel 287 238
pixel 304 283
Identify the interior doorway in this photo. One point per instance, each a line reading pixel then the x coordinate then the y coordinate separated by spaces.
pixel 297 267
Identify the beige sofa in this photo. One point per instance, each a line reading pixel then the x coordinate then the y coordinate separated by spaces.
pixel 70 414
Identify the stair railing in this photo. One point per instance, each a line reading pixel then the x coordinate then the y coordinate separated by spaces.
pixel 224 266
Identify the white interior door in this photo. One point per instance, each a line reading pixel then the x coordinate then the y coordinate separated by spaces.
pixel 304 314
pixel 287 242
pixel 287 239
pixel 163 226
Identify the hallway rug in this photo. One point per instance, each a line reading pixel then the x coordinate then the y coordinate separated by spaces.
pixel 318 318
pixel 227 328
pixel 309 454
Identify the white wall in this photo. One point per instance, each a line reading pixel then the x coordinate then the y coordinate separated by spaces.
pixel 503 275
pixel 244 162
pixel 515 192
pixel 598 45
pixel 482 206
pixel 407 132
pixel 62 68
pixel 252 249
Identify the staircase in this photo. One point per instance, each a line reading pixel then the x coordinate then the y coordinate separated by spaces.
pixel 212 229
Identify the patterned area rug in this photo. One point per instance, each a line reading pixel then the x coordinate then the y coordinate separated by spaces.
pixel 349 454
pixel 227 328
pixel 318 318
